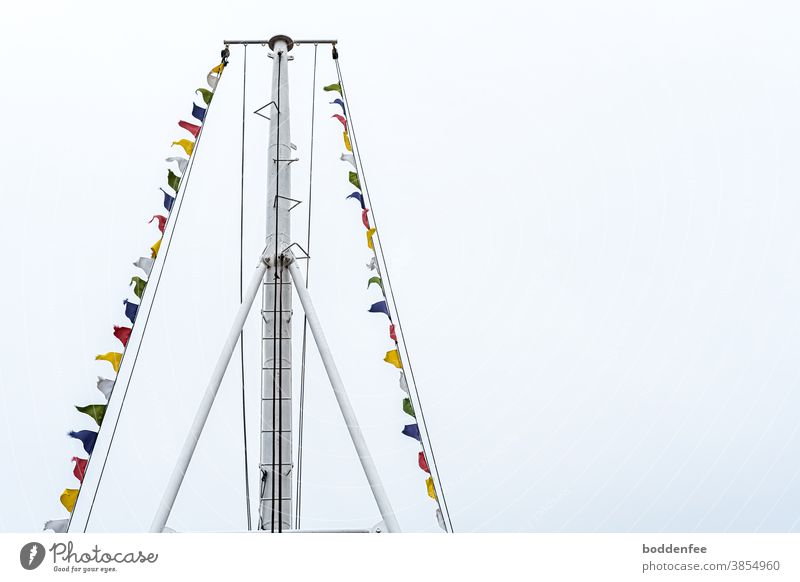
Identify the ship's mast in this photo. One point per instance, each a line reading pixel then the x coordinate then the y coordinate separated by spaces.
pixel 275 499
pixel 276 270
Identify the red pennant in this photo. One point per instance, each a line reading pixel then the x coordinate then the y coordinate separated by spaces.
pixel 80 468
pixel 342 119
pixel 190 127
pixel 364 218
pixel 391 332
pixel 423 462
pixel 162 222
pixel 123 334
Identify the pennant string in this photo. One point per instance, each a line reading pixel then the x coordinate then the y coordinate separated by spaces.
pixel 340 88
pixel 106 386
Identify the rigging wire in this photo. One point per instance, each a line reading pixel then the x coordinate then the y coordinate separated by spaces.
pixel 241 299
pixel 305 317
pixel 379 246
pixel 174 223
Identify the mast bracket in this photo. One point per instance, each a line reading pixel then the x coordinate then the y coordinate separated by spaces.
pixel 292 207
pixel 260 109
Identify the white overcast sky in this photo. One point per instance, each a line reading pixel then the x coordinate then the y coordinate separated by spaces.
pixel 590 213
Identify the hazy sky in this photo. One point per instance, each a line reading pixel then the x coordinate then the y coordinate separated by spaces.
pixel 590 216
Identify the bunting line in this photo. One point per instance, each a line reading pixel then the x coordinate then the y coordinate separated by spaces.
pixel 392 356
pixel 97 411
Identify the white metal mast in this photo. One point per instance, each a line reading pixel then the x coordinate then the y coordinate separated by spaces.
pixel 275 498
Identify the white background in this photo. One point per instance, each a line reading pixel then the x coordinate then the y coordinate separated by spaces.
pixel 590 215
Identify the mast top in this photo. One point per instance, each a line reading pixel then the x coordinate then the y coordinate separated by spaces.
pixel 289 42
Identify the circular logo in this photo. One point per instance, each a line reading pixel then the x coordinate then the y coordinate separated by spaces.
pixel 31 555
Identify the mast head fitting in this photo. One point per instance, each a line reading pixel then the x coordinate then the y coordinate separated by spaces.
pixel 289 42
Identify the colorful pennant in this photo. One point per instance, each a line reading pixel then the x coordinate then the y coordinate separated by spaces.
pixel 173 180
pixel 168 200
pixel 190 127
pixel 80 468
pixel 353 177
pixel 123 334
pixel 68 499
pixel 408 408
pixel 333 87
pixel 341 119
pixel 393 358
pixel 206 95
pixel 87 437
pixel 138 285
pixel 380 307
pixel 188 146
pixel 131 310
pixel 423 462
pixel 371 232
pixel 431 489
pixel 162 222
pixel 114 358
pixel 359 197
pixel 96 411
pixel 340 103
pixel 412 430
pixel 364 218
pixel 198 112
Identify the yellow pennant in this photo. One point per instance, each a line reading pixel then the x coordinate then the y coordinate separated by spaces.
pixel 431 490
pixel 218 68
pixel 68 499
pixel 113 357
pixel 155 248
pixel 347 142
pixel 188 146
pixel 370 232
pixel 392 357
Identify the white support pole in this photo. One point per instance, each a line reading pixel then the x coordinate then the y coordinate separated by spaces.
pixel 384 505
pixel 200 418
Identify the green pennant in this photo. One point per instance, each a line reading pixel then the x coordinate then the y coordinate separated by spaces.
pixel 408 408
pixel 207 95
pixel 139 285
pixel 173 180
pixel 375 280
pixel 333 87
pixel 354 180
pixel 96 411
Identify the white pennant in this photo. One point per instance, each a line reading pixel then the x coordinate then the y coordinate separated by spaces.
pixel 349 158
pixel 403 383
pixel 212 81
pixel 105 386
pixel 182 163
pixel 373 264
pixel 440 519
pixel 145 264
pixel 57 525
